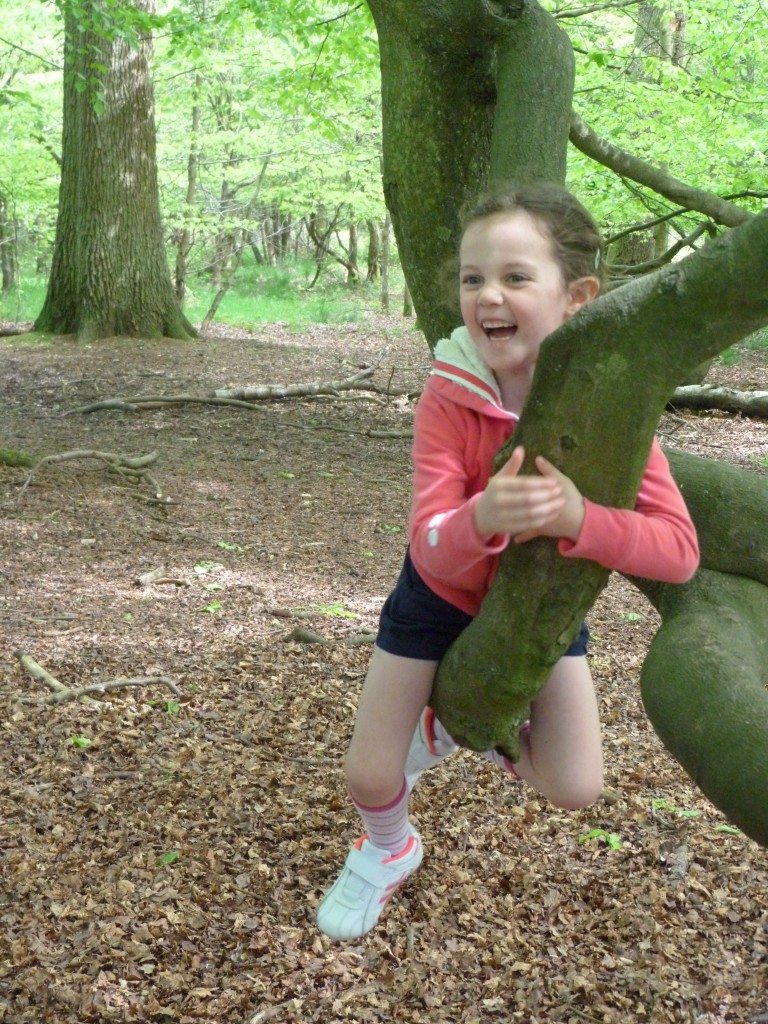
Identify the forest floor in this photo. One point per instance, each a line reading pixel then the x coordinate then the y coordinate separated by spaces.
pixel 163 850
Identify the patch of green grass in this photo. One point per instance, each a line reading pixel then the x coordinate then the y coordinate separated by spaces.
pixel 259 295
pixel 729 357
pixel 757 340
pixel 25 301
pixel 263 295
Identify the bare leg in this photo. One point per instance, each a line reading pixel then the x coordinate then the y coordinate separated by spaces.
pixel 561 756
pixel 395 692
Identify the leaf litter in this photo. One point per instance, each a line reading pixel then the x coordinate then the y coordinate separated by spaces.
pixel 162 859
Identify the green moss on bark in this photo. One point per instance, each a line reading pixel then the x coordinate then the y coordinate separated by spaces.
pixel 705 689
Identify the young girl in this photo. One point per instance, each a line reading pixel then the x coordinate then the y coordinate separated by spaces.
pixel 529 260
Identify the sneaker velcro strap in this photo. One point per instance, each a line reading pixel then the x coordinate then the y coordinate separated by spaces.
pixel 371 871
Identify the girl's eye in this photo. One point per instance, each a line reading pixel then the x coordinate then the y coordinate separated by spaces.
pixel 516 278
pixel 471 280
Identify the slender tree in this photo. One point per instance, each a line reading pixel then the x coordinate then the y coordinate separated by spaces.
pixel 109 273
pixel 474 92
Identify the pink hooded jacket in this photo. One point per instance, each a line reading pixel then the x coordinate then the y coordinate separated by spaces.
pixel 459 426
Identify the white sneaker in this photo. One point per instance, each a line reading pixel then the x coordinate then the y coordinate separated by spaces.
pixel 425 751
pixel 370 875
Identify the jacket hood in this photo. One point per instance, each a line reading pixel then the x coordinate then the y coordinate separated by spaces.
pixel 472 383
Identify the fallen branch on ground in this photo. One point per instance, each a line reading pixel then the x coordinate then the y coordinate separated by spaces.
pixel 246 397
pixel 38 672
pixel 133 467
pixel 61 694
pixel 709 396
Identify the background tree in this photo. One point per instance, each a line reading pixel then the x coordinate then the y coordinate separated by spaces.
pixel 600 384
pixel 109 273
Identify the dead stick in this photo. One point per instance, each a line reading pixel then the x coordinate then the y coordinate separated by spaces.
pixel 38 672
pixel 76 693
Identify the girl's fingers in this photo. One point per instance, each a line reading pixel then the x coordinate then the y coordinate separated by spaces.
pixel 513 464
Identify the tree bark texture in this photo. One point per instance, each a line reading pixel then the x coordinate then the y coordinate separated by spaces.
pixel 703 686
pixel 110 272
pixel 704 682
pixel 445 136
pixel 598 392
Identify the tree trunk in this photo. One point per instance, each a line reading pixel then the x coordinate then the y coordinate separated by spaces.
pixel 374 251
pixel 602 380
pixel 185 236
pixel 385 236
pixel 353 271
pixel 9 261
pixel 109 273
pixel 440 127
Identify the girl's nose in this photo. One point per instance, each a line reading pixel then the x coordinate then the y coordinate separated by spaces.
pixel 490 294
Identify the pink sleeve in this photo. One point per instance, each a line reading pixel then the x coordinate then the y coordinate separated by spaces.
pixel 443 537
pixel 656 540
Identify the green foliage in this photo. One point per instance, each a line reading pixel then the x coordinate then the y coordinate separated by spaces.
pixel 168 858
pixel 287 93
pixel 336 610
pixel 700 115
pixel 611 839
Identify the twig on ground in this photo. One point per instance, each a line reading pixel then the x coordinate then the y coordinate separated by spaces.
pixel 61 693
pixel 38 672
pixel 114 684
pixel 134 467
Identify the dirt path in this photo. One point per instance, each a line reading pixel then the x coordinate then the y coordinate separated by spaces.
pixel 161 856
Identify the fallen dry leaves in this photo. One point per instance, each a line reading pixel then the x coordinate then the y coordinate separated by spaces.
pixel 161 856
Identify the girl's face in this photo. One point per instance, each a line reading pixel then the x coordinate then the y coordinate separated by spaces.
pixel 513 293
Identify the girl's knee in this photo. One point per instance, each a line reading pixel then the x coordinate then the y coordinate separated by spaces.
pixel 575 794
pixel 370 785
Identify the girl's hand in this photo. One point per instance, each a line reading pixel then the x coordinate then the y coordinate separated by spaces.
pixel 529 506
pixel 568 521
pixel 517 504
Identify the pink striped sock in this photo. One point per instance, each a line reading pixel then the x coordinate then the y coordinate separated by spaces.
pixel 388 827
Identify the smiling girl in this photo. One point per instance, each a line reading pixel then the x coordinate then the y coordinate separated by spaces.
pixel 529 260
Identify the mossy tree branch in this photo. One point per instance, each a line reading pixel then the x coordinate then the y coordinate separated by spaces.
pixel 601 384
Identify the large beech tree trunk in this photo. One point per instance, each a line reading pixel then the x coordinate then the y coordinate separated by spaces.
pixel 109 273
pixel 475 93
pixel 443 68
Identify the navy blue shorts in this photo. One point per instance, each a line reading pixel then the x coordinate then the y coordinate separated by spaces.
pixel 415 622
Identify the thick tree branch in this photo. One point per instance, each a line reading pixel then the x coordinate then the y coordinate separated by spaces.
pixel 720 210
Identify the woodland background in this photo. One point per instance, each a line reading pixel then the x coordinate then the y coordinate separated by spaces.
pixel 162 851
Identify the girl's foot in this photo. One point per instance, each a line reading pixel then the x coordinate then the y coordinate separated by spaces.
pixel 426 750
pixel 354 903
